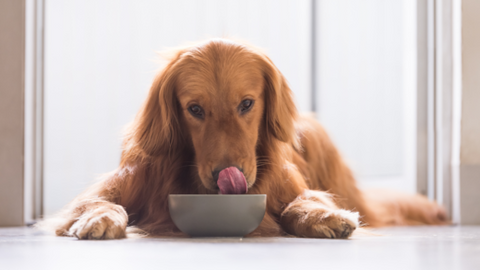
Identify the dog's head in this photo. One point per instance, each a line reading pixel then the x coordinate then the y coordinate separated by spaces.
pixel 221 99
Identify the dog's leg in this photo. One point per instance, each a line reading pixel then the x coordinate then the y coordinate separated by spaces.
pixel 314 214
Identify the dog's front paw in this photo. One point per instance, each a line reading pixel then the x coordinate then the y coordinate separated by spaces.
pixel 314 214
pixel 104 222
pixel 315 222
pixel 335 224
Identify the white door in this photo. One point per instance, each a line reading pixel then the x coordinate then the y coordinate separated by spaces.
pixel 366 86
pixel 100 60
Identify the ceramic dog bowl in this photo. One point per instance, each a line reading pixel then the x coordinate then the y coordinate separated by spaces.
pixel 217 215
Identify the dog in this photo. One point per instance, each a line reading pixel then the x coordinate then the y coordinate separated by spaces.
pixel 220 117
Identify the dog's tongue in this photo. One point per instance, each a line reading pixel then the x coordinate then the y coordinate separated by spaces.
pixel 232 181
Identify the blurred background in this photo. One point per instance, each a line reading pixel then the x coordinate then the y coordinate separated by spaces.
pixel 395 83
pixel 351 62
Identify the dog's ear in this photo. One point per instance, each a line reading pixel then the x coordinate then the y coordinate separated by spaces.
pixel 156 128
pixel 280 110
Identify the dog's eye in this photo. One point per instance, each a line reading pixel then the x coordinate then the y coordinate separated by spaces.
pixel 245 105
pixel 196 111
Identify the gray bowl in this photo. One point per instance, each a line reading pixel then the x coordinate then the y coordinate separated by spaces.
pixel 217 215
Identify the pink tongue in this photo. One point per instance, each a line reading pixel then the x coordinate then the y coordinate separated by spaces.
pixel 232 181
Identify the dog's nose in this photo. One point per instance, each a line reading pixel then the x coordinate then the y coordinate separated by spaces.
pixel 217 171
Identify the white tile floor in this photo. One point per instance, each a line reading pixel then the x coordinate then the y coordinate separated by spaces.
pixel 395 248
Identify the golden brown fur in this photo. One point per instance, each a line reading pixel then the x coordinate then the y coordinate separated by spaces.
pixel 169 150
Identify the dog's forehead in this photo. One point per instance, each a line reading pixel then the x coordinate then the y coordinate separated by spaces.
pixel 226 73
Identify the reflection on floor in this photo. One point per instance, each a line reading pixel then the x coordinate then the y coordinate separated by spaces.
pixel 390 248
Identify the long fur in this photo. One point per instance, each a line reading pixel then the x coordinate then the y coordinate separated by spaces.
pixel 311 191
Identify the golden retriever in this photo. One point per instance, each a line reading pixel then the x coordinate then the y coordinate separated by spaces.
pixel 220 118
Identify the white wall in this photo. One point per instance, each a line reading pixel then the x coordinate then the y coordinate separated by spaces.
pixel 366 96
pixel 12 70
pixel 470 124
pixel 100 60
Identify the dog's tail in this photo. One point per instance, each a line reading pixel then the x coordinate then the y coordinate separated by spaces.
pixel 394 208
